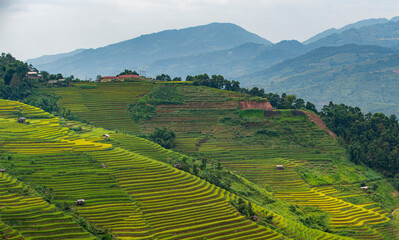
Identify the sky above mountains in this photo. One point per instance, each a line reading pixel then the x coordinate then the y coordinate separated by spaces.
pixel 31 28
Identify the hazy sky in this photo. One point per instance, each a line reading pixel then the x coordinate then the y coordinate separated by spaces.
pixel 31 28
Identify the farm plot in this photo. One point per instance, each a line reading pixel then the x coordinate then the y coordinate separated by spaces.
pixel 176 204
pixel 104 106
pixel 201 108
pixel 35 218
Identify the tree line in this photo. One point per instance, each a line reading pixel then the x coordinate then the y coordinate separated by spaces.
pixel 373 139
pixel 280 102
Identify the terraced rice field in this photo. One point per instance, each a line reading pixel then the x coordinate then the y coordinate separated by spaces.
pixel 149 149
pixel 204 133
pixel 32 217
pixel 201 107
pixel 137 197
pixel 104 106
pixel 134 197
pixel 176 204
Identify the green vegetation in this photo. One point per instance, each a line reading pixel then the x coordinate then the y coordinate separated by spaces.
pixel 250 144
pixel 283 102
pixel 137 189
pixel 103 105
pixel 128 72
pixel 373 138
pixel 160 94
pixel 13 84
pixel 164 137
pixel 131 195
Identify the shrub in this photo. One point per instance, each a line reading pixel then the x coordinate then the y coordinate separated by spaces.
pixel 164 137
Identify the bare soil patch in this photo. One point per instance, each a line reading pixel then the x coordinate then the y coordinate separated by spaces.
pixel 319 123
pixel 255 105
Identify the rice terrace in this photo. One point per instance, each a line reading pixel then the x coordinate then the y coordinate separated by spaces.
pixel 203 132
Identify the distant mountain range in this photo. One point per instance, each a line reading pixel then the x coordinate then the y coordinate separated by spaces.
pixel 48 59
pixel 364 76
pixel 333 65
pixel 356 25
pixel 138 53
pixel 232 63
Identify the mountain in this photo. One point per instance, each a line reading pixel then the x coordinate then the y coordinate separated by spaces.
pixel 364 76
pixel 52 58
pixel 356 25
pixel 231 63
pixel 138 52
pixel 382 34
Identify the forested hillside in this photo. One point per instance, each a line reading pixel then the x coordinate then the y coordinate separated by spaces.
pixel 364 76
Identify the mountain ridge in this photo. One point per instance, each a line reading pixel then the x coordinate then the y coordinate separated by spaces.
pixel 139 52
pixel 363 76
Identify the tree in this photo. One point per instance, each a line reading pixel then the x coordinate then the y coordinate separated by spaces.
pixel 299 103
pixel 310 106
pixel 15 81
pixel 45 75
pixel 163 77
pixel 128 72
pixel 164 137
pixel 288 101
pixel 372 138
pixel 177 79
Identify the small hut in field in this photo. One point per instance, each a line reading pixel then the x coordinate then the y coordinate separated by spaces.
pixel 80 202
pixel 279 167
pixel 365 188
pixel 21 120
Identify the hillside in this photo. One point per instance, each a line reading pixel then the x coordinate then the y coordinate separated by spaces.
pixel 130 202
pixel 318 179
pixel 142 51
pixel 128 194
pixel 231 63
pixel 363 76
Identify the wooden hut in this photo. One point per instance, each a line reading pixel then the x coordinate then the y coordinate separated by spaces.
pixel 279 167
pixel 365 188
pixel 21 120
pixel 2 170
pixel 80 202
